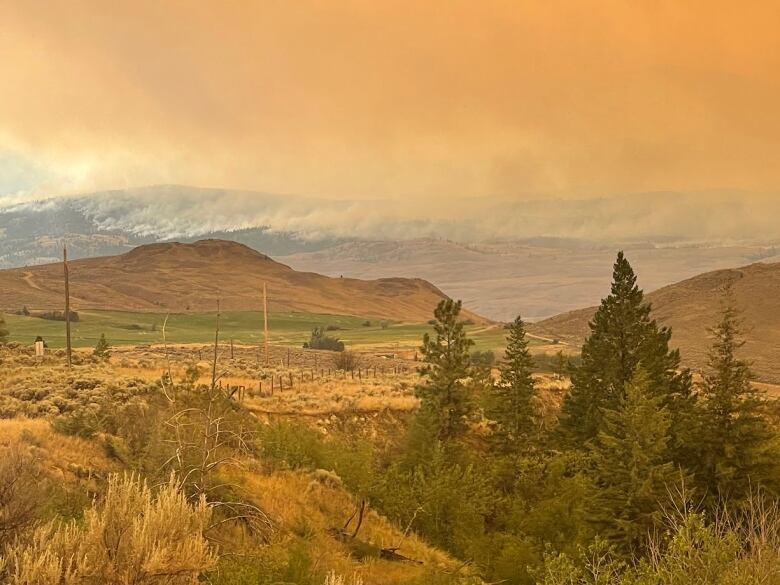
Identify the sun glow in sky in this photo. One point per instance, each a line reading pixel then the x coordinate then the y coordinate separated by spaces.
pixel 376 98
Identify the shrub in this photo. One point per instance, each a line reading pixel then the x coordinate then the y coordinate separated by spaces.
pixel 321 341
pixel 483 358
pixel 347 361
pixel 133 536
pixel 58 316
pixel 327 478
pixel 85 423
pixel 17 491
pixel 4 333
pixel 102 349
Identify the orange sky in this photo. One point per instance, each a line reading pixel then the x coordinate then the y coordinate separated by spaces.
pixel 382 98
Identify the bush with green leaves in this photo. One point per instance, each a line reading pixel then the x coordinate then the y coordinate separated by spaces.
pixel 102 349
pixel 319 340
pixel 4 332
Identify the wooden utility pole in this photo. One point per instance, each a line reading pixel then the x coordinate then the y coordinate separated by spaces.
pixel 216 348
pixel 68 349
pixel 265 321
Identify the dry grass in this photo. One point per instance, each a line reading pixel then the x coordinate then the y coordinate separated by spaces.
pixel 184 277
pixel 337 396
pixel 299 503
pixel 64 459
pixel 303 509
pixel 314 392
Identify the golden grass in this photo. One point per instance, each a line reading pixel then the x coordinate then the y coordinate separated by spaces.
pixel 302 508
pixel 65 459
pixel 336 396
pixel 294 499
pixel 339 393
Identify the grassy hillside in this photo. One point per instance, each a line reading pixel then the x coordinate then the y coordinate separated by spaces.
pixel 71 429
pixel 691 307
pixel 195 277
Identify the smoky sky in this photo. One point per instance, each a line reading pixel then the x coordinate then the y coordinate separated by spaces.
pixel 655 218
pixel 408 103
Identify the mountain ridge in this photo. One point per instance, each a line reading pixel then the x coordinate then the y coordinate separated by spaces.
pixel 175 276
pixel 691 306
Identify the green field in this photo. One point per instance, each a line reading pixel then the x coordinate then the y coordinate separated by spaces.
pixel 131 328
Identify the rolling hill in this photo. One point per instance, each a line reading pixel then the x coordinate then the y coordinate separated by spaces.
pixel 537 278
pixel 191 277
pixel 692 306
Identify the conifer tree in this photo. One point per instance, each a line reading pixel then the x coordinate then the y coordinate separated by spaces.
pixel 632 468
pixel 513 397
pixel 102 348
pixel 737 450
pixel 4 333
pixel 623 336
pixel 444 399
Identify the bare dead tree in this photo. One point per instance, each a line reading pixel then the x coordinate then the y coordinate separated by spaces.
pixel 205 438
pixel 365 549
pixel 167 379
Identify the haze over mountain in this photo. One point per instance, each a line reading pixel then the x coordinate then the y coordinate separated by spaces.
pixel 692 306
pixel 192 277
pixel 505 259
pixel 178 211
pixel 536 278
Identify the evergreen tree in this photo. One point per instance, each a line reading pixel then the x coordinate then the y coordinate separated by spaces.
pixel 102 348
pixel 632 468
pixel 561 365
pixel 737 448
pixel 4 333
pixel 514 395
pixel 623 336
pixel 444 398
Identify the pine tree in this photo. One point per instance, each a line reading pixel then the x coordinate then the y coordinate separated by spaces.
pixel 4 333
pixel 737 450
pixel 444 398
pixel 623 336
pixel 514 395
pixel 102 348
pixel 632 468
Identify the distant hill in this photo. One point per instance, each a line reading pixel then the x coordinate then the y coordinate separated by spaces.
pixel 538 268
pixel 537 278
pixel 191 277
pixel 692 306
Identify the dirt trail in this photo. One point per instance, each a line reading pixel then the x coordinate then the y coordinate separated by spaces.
pixel 28 278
